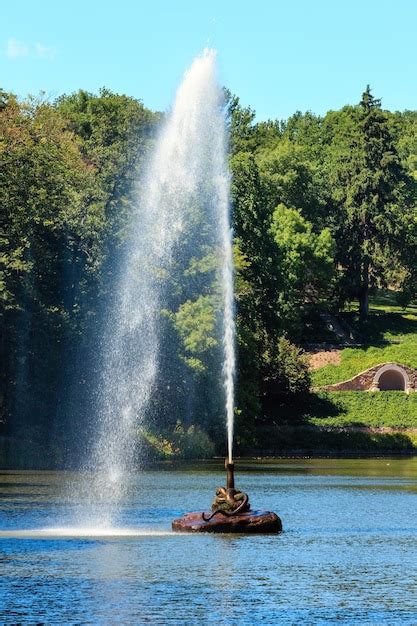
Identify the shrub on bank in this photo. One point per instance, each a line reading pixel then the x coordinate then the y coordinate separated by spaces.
pixel 288 369
pixel 185 442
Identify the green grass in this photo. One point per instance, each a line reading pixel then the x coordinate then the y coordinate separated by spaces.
pixel 390 334
pixel 392 409
pixel 337 422
pixel 334 442
pixel 343 422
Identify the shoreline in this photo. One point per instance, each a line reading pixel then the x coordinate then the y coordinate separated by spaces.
pixel 277 442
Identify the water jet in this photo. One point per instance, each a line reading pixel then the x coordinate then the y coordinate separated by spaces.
pixel 230 510
pixel 180 228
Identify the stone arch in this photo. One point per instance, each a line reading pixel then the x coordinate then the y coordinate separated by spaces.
pixel 391 377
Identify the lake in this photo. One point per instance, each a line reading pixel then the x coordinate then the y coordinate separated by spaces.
pixel 348 553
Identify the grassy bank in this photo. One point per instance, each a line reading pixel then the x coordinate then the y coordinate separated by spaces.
pixel 355 422
pixel 390 334
pixel 390 409
pixel 332 441
pixel 342 422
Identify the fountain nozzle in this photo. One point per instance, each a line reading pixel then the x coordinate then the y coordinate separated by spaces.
pixel 230 472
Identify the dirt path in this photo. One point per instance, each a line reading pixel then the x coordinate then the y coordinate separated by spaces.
pixel 320 358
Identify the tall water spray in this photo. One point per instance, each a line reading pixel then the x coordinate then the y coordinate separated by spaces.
pixel 187 175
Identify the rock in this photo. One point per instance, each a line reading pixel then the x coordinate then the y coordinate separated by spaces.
pixel 249 522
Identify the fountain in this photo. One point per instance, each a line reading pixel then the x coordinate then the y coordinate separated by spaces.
pixel 183 205
pixel 230 510
pixel 231 513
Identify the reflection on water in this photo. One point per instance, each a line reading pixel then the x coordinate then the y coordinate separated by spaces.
pixel 69 532
pixel 347 554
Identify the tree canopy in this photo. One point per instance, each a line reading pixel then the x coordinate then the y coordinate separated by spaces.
pixel 323 210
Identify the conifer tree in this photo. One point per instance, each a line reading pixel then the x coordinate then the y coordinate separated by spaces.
pixel 374 200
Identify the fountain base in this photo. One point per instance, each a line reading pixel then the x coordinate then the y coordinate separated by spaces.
pixel 230 513
pixel 260 522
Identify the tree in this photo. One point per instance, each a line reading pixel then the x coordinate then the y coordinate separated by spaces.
pixel 48 203
pixel 288 369
pixel 67 175
pixel 290 176
pixel 306 258
pixel 370 189
pixel 116 133
pixel 240 122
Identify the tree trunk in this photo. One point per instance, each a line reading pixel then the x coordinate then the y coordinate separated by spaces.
pixel 364 304
pixel 364 292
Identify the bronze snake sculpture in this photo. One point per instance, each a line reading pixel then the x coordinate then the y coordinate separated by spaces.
pixel 224 501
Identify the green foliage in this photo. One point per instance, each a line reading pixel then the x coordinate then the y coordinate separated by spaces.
pixel 242 131
pixel 306 257
pixel 116 132
pixel 288 370
pixel 182 443
pixel 48 201
pixel 195 323
pixel 290 177
pixel 305 130
pixel 324 212
pixel 59 187
pixel 371 192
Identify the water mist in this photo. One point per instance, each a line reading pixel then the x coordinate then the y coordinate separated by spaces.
pixel 188 168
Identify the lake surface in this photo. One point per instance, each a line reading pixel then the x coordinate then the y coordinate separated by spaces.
pixel 348 553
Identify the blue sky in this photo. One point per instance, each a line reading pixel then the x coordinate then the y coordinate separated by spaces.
pixel 278 57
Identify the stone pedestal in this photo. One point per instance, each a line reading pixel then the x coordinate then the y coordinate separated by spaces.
pixel 249 522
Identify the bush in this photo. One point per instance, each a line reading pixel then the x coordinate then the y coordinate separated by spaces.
pixel 183 443
pixel 288 370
